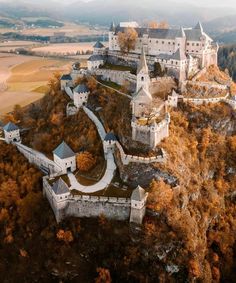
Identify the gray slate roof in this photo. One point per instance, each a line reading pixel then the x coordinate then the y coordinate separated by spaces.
pixel 81 88
pixel 110 137
pixel 98 44
pixel 96 58
pixel 10 127
pixel 179 55
pixel 142 92
pixel 191 34
pixel 64 151
pixel 138 194
pixel 66 77
pixel 60 187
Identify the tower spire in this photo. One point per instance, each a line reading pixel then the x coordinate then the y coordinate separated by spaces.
pixel 142 63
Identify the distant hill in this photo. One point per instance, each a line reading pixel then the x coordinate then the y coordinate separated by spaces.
pixel 103 11
pixel 221 24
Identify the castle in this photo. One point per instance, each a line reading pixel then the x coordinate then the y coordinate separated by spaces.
pixel 183 52
pixel 180 52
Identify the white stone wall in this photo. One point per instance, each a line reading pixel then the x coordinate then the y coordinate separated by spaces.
pixel 199 101
pixel 126 158
pixel 118 77
pixel 39 159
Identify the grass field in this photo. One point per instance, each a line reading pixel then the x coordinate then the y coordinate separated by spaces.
pixel 70 29
pixel 63 48
pixel 26 79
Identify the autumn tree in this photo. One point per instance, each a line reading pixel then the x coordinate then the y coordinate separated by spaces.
pixel 65 236
pixel 153 24
pixel 160 195
pixel 127 40
pixel 91 83
pixel 85 161
pixel 163 25
pixel 103 276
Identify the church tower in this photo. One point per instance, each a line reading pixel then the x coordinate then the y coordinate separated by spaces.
pixel 143 79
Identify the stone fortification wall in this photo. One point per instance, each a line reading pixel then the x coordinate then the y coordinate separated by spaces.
pixel 116 76
pixel 39 159
pixel 126 158
pixel 91 206
pixel 199 101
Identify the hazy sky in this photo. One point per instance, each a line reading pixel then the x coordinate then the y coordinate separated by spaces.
pixel 231 3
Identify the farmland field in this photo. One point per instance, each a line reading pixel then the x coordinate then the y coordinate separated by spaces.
pixel 23 79
pixel 70 29
pixel 63 48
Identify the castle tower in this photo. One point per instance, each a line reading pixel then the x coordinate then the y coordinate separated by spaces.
pixel 138 205
pixel 81 93
pixel 11 133
pixel 65 158
pixel 143 79
pixel 111 35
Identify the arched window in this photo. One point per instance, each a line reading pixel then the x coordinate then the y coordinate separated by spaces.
pixel 142 79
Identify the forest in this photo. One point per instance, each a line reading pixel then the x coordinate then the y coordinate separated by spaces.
pixel 227 59
pixel 188 233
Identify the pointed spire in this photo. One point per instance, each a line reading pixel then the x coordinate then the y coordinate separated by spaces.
pixel 199 26
pixel 142 63
pixel 112 27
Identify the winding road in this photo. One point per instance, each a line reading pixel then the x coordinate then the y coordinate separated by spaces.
pixel 110 169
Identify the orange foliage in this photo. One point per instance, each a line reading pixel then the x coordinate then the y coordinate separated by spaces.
pixel 127 40
pixel 85 161
pixel 160 195
pixel 103 276
pixel 65 236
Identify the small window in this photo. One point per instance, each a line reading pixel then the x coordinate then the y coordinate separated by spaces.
pixel 197 44
pixel 157 41
pixel 142 79
pixel 168 42
pixel 163 42
pixel 193 44
pixel 188 44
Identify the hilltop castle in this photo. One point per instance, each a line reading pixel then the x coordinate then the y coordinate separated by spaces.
pixel 181 52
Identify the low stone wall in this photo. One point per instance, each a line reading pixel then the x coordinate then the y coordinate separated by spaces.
pixel 126 158
pixel 207 85
pixel 88 206
pixel 132 59
pixel 199 101
pixel 116 76
pixel 39 159
pixel 231 102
